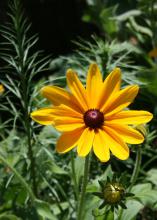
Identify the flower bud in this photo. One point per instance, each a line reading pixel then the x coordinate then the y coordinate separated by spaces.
pixel 113 193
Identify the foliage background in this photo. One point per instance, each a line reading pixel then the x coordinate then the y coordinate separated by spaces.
pixel 36 182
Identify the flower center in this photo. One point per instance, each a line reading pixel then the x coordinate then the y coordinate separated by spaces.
pixel 93 118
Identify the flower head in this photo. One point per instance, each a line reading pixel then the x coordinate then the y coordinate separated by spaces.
pixel 113 193
pixel 93 116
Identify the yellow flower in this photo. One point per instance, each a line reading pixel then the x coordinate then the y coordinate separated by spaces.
pixel 1 88
pixel 93 116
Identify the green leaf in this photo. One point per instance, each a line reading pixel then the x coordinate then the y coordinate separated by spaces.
pixel 103 215
pixel 127 15
pixel 58 170
pixel 140 28
pixel 7 216
pixel 152 176
pixel 43 209
pixel 133 207
pixel 79 168
pixel 109 25
pixel 145 193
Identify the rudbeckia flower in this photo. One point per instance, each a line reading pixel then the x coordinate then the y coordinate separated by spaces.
pixel 94 116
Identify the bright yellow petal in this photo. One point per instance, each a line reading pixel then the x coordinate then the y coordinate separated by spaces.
pixel 68 127
pixel 121 100
pixel 68 141
pixel 64 110
pixel 77 89
pixel 94 85
pixel 64 124
pixel 116 144
pixel 130 117
pixel 111 86
pixel 43 116
pixel 85 142
pixel 59 96
pixel 100 148
pixel 128 134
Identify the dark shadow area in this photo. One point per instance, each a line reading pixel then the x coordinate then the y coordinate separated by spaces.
pixel 57 22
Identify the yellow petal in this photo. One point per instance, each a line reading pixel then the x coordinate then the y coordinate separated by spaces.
pixel 85 142
pixel 121 100
pixel 130 117
pixel 128 134
pixel 68 141
pixel 77 89
pixel 68 127
pixel 94 85
pixel 116 144
pixel 100 148
pixel 43 116
pixel 59 96
pixel 64 110
pixel 64 124
pixel 110 86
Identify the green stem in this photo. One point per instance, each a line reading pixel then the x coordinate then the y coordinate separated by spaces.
pixel 30 155
pixel 84 184
pixel 60 188
pixel 134 174
pixel 24 91
pixel 74 176
pixel 20 178
pixel 136 167
pixel 53 193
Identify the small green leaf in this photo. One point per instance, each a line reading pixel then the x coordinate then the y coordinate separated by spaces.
pixel 79 168
pixel 43 209
pixel 7 216
pixel 152 176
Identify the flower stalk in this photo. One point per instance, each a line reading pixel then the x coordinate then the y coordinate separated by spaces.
pixel 84 185
pixel 135 172
pixel 137 166
pixel 74 177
